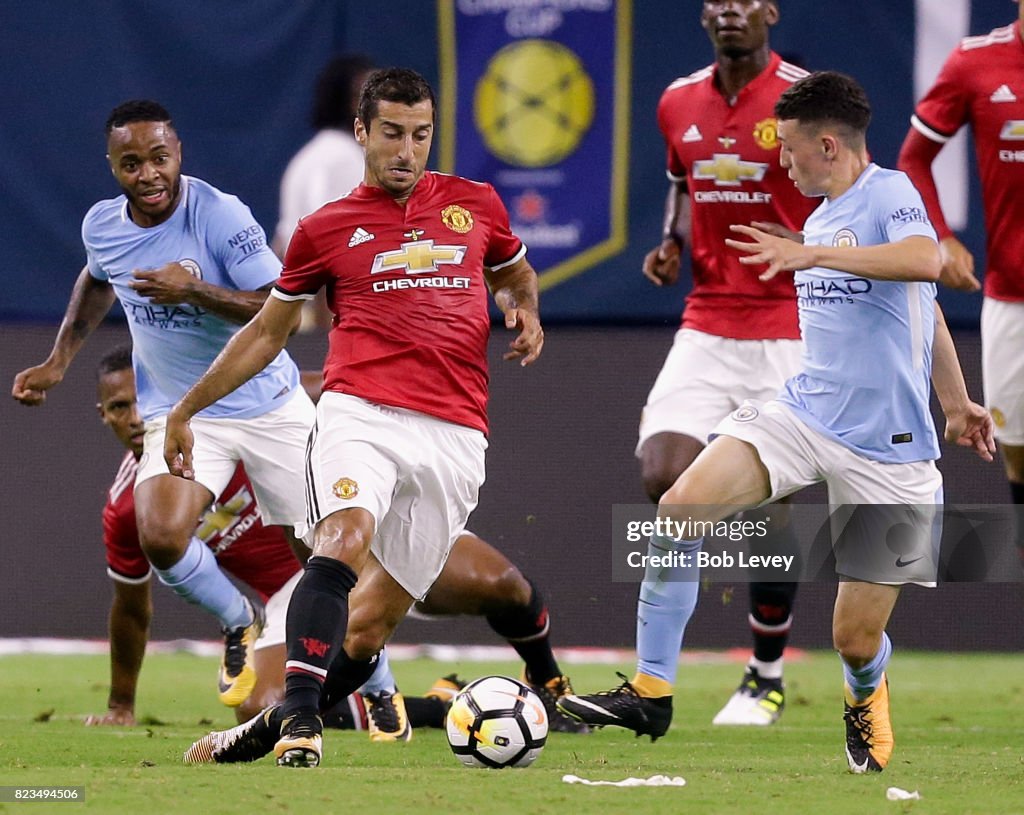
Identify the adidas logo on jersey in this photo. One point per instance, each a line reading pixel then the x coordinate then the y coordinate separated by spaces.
pixel 359 236
pixel 1002 94
pixel 692 134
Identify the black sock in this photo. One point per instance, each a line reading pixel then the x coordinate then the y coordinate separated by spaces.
pixel 771 615
pixel 425 711
pixel 344 677
pixel 526 629
pixel 315 630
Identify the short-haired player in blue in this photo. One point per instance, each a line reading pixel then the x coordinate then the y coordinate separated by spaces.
pixel 189 265
pixel 856 417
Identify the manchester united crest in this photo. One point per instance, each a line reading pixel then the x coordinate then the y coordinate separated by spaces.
pixel 457 219
pixel 345 488
pixel 766 134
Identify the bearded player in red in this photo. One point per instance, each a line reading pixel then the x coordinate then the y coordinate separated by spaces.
pixel 982 85
pixel 396 457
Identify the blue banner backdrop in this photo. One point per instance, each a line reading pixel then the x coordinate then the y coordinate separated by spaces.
pixel 535 100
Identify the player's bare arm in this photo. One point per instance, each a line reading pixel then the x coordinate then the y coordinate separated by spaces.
pixel 130 614
pixel 515 291
pixel 661 264
pixel 916 157
pixel 912 259
pixel 91 299
pixel 248 353
pixel 173 283
pixel 967 423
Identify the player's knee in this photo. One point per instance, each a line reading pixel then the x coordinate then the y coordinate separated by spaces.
pixel 344 536
pixel 684 500
pixel 856 646
pixel 663 457
pixel 656 480
pixel 367 632
pixel 362 644
pixel 163 544
pixel 505 589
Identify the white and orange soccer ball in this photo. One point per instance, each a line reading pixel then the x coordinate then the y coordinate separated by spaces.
pixel 496 722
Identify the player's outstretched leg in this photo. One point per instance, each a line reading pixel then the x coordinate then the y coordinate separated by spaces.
pixel 622 706
pixel 196 577
pixel 668 596
pixel 248 741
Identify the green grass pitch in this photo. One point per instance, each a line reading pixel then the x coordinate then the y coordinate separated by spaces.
pixel 959 722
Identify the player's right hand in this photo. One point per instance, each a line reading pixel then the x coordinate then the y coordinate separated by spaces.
pixel 178 443
pixel 31 385
pixel 116 717
pixel 661 265
pixel 957 266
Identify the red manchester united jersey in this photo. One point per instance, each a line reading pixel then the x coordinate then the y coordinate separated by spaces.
pixel 407 290
pixel 256 554
pixel 982 83
pixel 728 154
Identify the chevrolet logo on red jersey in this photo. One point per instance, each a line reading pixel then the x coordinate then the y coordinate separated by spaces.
pixel 729 170
pixel 1013 130
pixel 417 257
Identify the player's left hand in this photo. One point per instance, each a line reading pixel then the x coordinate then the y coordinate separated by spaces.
pixel 527 346
pixel 178 443
pixel 165 286
pixel 972 427
pixel 778 253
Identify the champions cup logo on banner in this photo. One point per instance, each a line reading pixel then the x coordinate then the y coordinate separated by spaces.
pixel 535 100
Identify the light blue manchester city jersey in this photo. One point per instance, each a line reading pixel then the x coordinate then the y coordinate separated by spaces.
pixel 215 237
pixel 868 343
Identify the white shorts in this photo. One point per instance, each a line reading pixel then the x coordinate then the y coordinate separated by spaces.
pixel 271 446
pixel 1002 367
pixel 277 613
pixel 863 494
pixel 418 476
pixel 705 377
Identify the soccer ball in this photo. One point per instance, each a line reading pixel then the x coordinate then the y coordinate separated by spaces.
pixel 497 722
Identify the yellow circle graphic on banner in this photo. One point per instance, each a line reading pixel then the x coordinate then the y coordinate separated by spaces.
pixel 534 103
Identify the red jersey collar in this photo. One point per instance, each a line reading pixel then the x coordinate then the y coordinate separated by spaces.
pixel 423 187
pixel 774 60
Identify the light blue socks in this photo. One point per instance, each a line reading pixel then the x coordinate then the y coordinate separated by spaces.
pixel 198 579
